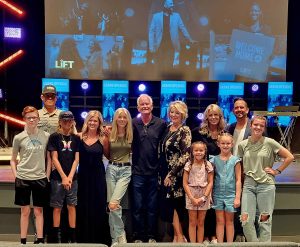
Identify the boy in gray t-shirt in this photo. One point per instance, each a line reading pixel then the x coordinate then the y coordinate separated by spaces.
pixel 30 172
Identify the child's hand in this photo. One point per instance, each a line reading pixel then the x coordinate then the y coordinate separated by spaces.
pixel 236 203
pixel 66 182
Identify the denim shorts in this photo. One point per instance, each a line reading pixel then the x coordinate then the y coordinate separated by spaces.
pixel 224 204
pixel 38 188
pixel 59 194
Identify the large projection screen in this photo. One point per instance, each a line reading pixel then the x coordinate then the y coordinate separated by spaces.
pixel 234 40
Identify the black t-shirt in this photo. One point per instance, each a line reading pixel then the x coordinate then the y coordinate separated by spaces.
pixel 66 147
pixel 145 144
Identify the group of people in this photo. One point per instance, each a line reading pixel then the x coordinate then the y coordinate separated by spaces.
pixel 211 173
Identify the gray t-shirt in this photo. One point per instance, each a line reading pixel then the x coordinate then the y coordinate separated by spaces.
pixel 32 150
pixel 257 156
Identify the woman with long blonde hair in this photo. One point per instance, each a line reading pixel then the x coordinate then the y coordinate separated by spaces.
pixel 118 173
pixel 92 217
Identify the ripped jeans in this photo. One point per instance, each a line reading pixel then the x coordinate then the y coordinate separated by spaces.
pixel 117 180
pixel 261 197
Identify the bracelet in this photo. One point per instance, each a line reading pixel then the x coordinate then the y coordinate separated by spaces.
pixel 204 198
pixel 279 172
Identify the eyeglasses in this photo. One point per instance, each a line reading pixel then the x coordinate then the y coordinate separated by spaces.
pixel 31 118
pixel 49 95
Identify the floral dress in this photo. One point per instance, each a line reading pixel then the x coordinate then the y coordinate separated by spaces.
pixel 174 154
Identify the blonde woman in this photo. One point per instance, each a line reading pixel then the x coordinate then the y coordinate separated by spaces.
pixel 212 126
pixel 92 217
pixel 118 173
pixel 174 154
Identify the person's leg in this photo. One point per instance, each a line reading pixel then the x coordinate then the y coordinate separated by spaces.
pixel 177 228
pixel 22 198
pixel 229 226
pixel 152 204
pixel 56 202
pixel 239 234
pixel 40 198
pixel 200 225
pixel 71 201
pixel 210 224
pixel 56 217
pixel 220 219
pixel 193 225
pixel 116 187
pixel 248 210
pixel 265 201
pixel 39 221
pixel 24 220
pixel 138 191
pixel 72 215
pixel 111 184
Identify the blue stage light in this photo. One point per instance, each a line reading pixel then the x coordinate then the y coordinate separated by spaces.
pixel 84 85
pixel 83 114
pixel 254 87
pixel 142 87
pixel 200 87
pixel 200 116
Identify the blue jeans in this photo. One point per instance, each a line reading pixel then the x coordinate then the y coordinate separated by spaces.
pixel 261 197
pixel 117 180
pixel 145 198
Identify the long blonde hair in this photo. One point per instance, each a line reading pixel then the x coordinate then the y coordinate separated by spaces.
pixel 100 131
pixel 204 128
pixel 128 129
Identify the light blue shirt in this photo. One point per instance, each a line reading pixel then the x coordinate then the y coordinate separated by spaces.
pixel 224 181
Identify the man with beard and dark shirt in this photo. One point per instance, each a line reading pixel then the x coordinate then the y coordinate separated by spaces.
pixel 147 133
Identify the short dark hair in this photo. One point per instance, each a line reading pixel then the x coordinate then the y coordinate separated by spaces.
pixel 240 98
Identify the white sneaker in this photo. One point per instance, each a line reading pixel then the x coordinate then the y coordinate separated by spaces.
pixel 214 241
pixel 122 239
pixel 114 244
pixel 206 242
pixel 138 241
pixel 151 240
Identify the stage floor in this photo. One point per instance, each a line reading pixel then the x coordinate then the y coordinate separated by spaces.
pixel 290 176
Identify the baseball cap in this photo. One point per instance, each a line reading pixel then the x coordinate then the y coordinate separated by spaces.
pixel 66 115
pixel 49 89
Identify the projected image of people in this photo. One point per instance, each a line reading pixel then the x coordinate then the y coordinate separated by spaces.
pixel 94 64
pixel 108 107
pixel 164 40
pixel 180 39
pixel 79 17
pixel 256 24
pixel 69 62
